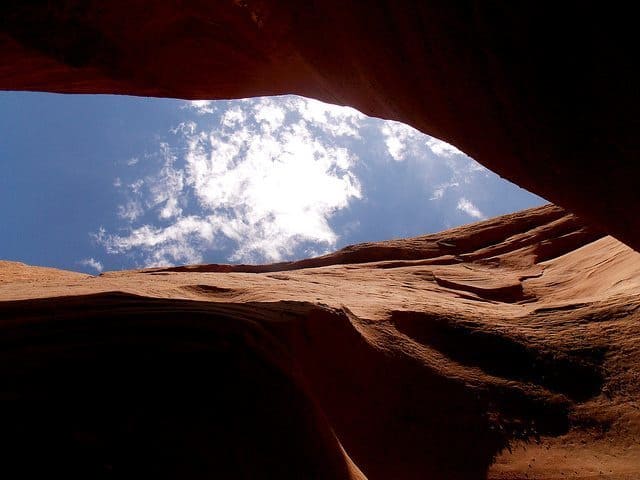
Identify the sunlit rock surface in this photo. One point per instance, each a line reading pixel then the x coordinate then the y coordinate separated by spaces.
pixel 504 348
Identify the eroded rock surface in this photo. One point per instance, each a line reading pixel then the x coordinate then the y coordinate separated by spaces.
pixel 508 348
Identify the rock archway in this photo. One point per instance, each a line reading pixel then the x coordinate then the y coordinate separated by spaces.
pixel 501 349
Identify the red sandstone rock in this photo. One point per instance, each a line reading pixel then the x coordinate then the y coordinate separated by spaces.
pixel 504 349
pixel 498 349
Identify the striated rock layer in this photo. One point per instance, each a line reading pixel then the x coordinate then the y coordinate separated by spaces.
pixel 505 349
pixel 544 94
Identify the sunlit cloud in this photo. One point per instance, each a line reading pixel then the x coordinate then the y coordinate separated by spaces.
pixel 332 119
pixel 442 149
pixel 463 170
pixel 263 183
pixel 470 209
pixel 181 242
pixel 441 189
pixel 404 142
pixel 130 211
pixel 165 190
pixel 92 263
pixel 202 107
pixel 270 189
pixel 262 179
pixel 397 137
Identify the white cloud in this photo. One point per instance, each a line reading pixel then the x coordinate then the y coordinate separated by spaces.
pixel 442 149
pixel 161 191
pixel 274 189
pixel 233 117
pixel 470 209
pixel 166 187
pixel 136 186
pixel 92 263
pixel 440 190
pixel 266 184
pixel 332 119
pixel 262 178
pixel 201 107
pixel 463 170
pixel 184 127
pixel 397 137
pixel 181 242
pixel 272 114
pixel 130 211
pixel 402 140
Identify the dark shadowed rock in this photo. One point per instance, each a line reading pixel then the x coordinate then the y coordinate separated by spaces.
pixel 441 357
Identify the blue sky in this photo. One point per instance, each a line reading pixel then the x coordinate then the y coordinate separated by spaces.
pixel 92 183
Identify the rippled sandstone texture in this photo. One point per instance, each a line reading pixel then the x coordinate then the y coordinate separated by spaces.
pixel 506 349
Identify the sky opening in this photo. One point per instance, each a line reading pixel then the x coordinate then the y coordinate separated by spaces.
pixel 94 183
